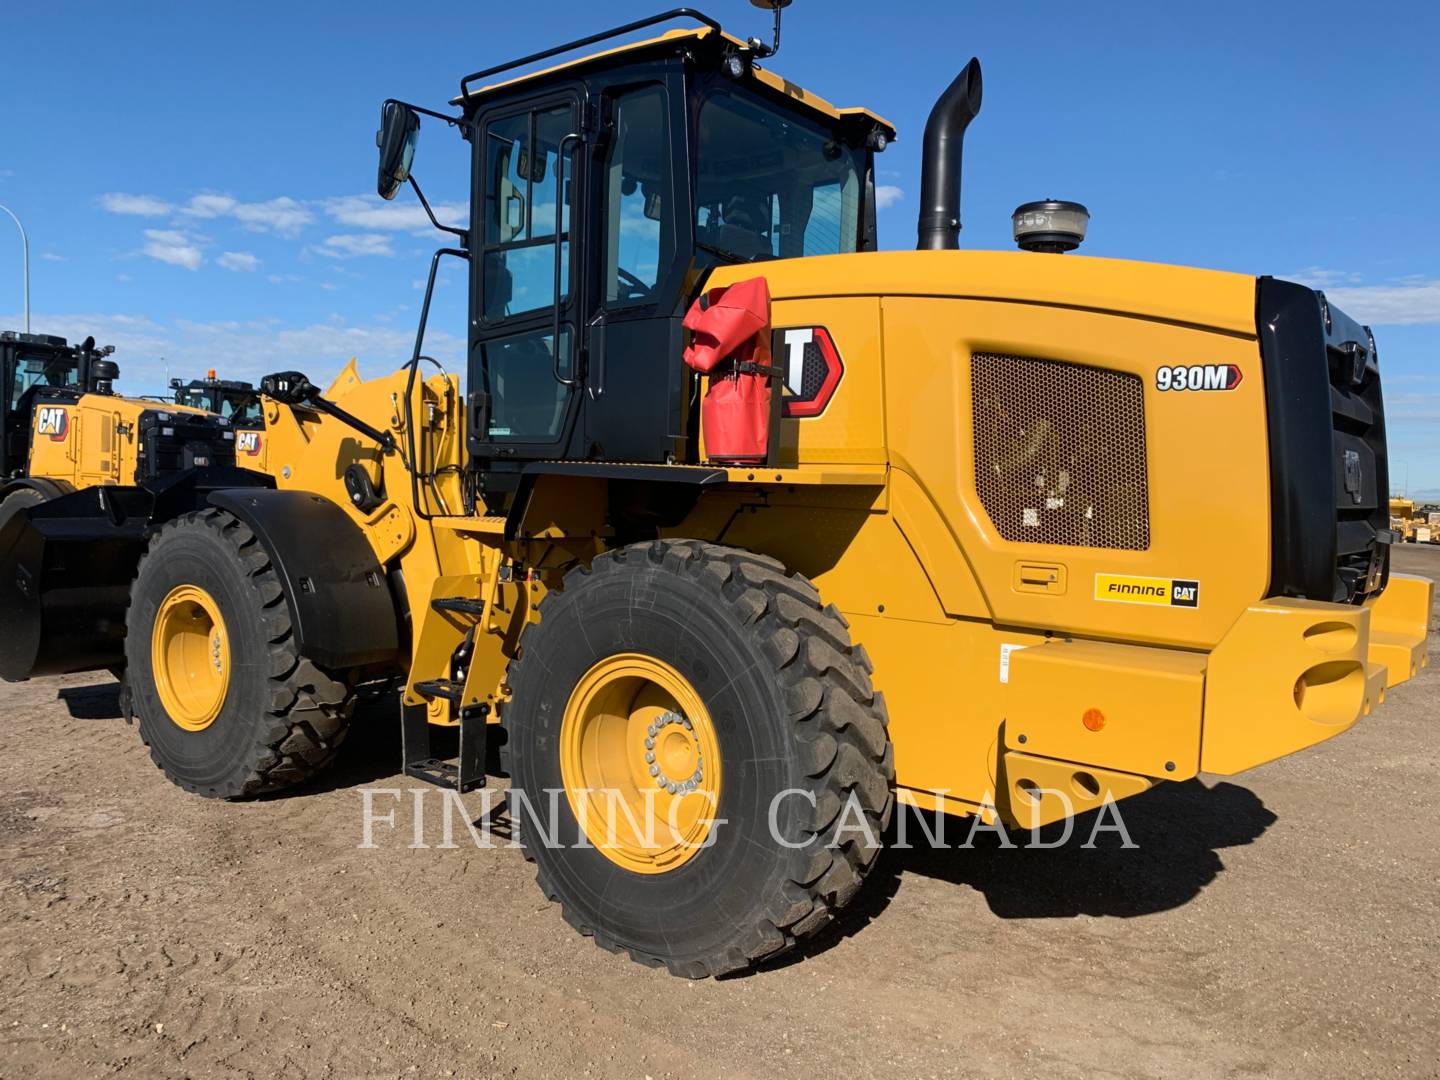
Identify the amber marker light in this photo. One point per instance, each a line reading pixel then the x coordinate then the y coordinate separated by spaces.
pixel 1093 719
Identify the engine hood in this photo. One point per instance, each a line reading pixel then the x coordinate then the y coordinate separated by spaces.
pixel 1213 299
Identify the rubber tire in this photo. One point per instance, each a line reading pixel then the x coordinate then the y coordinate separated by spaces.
pixel 284 718
pixel 17 500
pixel 793 707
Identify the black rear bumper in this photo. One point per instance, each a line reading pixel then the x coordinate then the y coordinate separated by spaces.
pixel 1329 477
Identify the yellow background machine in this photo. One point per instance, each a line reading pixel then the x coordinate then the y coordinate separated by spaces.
pixel 963 573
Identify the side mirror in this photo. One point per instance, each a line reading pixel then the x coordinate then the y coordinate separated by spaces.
pixel 399 131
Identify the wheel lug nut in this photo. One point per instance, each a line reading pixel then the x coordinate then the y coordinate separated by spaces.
pixel 650 742
pixel 655 771
pixel 650 757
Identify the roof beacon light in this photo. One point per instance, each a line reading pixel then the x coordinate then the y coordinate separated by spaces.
pixel 1051 225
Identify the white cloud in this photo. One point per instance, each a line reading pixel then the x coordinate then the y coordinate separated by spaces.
pixel 238 260
pixel 353 245
pixel 1400 304
pixel 50 256
pixel 1320 277
pixel 887 195
pixel 373 212
pixel 208 206
pixel 283 215
pixel 1413 408
pixel 1407 301
pixel 117 202
pixel 243 349
pixel 175 248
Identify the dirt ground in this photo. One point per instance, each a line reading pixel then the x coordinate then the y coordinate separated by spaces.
pixel 1283 923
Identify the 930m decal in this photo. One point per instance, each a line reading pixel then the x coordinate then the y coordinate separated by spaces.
pixel 1198 377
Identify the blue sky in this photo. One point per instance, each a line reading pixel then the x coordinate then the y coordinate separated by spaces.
pixel 196 177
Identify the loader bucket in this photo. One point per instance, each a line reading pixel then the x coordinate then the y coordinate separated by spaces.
pixel 65 572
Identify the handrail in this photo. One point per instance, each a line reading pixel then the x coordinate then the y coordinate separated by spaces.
pixel 413 465
pixel 640 24
pixel 559 249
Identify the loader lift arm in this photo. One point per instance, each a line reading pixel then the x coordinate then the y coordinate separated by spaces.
pixel 293 388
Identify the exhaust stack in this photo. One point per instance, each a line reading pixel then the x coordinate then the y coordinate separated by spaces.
pixel 939 225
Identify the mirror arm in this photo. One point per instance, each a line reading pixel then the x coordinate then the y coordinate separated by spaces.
pixel 464 234
pixel 453 121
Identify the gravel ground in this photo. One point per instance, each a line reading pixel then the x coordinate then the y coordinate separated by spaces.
pixel 1281 923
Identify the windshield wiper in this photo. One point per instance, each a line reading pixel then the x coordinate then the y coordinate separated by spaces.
pixel 724 253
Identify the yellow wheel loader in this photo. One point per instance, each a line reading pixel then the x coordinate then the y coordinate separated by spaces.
pixel 239 403
pixel 736 531
pixel 77 463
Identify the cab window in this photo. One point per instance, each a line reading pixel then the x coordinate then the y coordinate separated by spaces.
pixel 41 371
pixel 527 402
pixel 640 236
pixel 241 407
pixel 772 186
pixel 521 153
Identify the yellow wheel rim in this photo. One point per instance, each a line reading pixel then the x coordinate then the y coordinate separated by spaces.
pixel 190 657
pixel 641 763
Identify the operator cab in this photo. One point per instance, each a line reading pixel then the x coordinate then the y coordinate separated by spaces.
pixel 602 192
pixel 40 367
pixel 238 402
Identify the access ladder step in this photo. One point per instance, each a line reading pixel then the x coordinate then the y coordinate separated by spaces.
pixel 434 771
pixel 461 605
pixel 448 689
pixel 467 771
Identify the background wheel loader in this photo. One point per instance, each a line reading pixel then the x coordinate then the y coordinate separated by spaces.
pixel 236 401
pixel 77 461
pixel 740 530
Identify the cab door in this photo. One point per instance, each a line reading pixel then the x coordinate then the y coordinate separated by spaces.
pixel 524 340
pixel 638 390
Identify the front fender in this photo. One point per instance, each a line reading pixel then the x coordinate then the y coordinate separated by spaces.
pixel 340 605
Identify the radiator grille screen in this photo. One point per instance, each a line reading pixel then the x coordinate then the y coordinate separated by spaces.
pixel 1060 452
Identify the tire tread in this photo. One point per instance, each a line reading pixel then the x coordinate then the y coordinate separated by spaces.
pixel 838 719
pixel 309 709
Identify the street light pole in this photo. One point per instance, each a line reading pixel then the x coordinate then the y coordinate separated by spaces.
pixel 25 256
